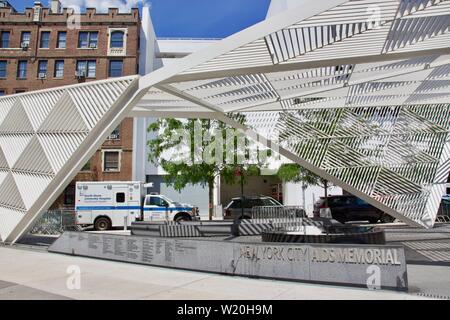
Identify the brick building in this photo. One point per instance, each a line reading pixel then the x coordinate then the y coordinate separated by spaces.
pixel 51 47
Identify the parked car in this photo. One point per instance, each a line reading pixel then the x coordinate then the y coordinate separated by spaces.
pixel 234 209
pixel 350 208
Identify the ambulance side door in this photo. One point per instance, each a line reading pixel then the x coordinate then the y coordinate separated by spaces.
pixel 120 196
pixel 155 208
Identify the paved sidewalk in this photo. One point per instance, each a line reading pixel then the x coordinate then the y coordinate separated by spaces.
pixel 28 274
pixel 14 291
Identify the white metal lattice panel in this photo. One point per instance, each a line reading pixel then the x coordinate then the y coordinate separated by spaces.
pixel 45 137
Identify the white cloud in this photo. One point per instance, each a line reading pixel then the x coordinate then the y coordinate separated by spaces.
pixel 103 5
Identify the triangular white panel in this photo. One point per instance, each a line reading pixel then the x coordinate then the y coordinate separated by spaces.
pixel 13 145
pixel 426 98
pixel 403 70
pixel 414 31
pixel 434 86
pixel 5 106
pixel 3 175
pixel 410 7
pixel 429 43
pixel 3 162
pixel 59 147
pixel 10 195
pixel 38 106
pixel 368 42
pixel 443 170
pixel 16 121
pixel 31 186
pixel 410 76
pixel 95 100
pixel 290 43
pixel 34 160
pixel 9 218
pixel 64 117
pixel 48 159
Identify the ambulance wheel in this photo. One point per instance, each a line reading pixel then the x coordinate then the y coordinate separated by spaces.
pixel 183 217
pixel 102 224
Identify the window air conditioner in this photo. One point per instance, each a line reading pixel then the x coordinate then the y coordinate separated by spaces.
pixel 80 75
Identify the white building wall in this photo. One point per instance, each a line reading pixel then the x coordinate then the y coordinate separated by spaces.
pixel 293 195
pixel 147 63
pixel 155 53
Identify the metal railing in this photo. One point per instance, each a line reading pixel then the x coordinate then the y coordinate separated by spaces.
pixel 55 222
pixel 285 217
pixel 443 215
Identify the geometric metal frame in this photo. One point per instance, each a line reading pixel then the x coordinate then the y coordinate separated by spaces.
pixel 45 139
pixel 361 101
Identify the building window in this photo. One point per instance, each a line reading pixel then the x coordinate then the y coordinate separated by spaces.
pixel 25 39
pixel 115 135
pixel 22 69
pixel 87 39
pixel 19 91
pixel 59 69
pixel 42 69
pixel 61 41
pixel 69 195
pixel 86 68
pixel 3 65
pixel 2 92
pixel 45 40
pixel 115 68
pixel 156 201
pixel 117 39
pixel 111 160
pixel 4 39
pixel 120 197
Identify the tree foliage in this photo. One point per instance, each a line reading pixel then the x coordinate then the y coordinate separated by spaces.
pixel 177 151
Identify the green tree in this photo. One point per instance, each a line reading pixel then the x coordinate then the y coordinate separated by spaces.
pixel 179 150
pixel 292 172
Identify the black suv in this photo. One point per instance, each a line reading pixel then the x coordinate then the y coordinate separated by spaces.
pixel 234 209
pixel 351 208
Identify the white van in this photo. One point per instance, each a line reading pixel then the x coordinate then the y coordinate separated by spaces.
pixel 107 205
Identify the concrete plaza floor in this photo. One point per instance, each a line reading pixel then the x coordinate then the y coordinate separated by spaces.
pixel 37 274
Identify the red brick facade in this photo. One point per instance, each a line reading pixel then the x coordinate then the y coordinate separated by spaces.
pixel 14 24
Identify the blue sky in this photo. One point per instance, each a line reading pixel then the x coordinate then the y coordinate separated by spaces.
pixel 188 18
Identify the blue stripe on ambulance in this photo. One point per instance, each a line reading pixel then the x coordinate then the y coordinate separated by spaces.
pixel 92 208
pixel 86 208
pixel 169 208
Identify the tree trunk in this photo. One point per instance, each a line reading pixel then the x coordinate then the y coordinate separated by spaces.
pixel 211 198
pixel 304 186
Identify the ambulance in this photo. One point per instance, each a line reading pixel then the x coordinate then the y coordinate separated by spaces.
pixel 107 205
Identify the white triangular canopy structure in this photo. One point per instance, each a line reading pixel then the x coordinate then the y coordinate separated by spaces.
pixel 45 139
pixel 64 117
pixel 354 90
